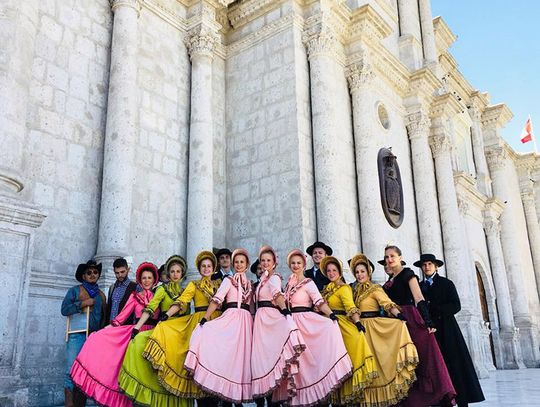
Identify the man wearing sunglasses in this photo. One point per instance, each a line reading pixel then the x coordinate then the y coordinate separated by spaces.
pixel 77 300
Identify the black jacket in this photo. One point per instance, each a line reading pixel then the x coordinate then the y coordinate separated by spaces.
pixel 318 278
pixel 129 289
pixel 444 302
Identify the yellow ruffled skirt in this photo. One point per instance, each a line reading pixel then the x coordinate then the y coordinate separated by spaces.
pixel 364 367
pixel 166 349
pixel 395 360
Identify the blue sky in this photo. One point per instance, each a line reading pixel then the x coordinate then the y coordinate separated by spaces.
pixel 498 51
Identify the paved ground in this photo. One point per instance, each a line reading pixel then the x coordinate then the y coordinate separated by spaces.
pixel 508 388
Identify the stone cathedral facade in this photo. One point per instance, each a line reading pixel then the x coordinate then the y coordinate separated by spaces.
pixel 144 128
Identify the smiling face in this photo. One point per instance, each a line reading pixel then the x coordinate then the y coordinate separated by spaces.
pixel 147 279
pixel 206 268
pixel 361 273
pixel 267 261
pixel 240 263
pixel 332 272
pixel 317 255
pixel 297 264
pixel 392 258
pixel 175 272
pixel 91 275
pixel 429 268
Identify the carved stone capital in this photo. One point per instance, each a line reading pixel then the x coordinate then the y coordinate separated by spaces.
pixel 201 44
pixel 324 43
pixel 527 197
pixel 463 206
pixel 495 117
pixel 418 124
pixel 359 75
pixel 134 4
pixel 491 226
pixel 440 144
pixel 496 158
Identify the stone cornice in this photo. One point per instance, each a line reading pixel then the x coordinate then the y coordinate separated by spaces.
pixel 423 83
pixel 17 212
pixel 467 191
pixel 367 25
pixel 445 106
pixel 496 116
pixel 444 37
pixel 264 33
pixel 214 3
pixel 387 67
pixel 170 16
pixel 241 13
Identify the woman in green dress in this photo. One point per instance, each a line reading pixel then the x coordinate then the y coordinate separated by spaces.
pixel 137 378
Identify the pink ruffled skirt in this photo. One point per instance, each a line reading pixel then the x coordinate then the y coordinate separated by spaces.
pixel 95 370
pixel 219 356
pixel 277 344
pixel 324 364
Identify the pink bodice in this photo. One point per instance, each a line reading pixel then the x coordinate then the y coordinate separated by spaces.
pixel 228 291
pixel 303 294
pixel 135 304
pixel 269 288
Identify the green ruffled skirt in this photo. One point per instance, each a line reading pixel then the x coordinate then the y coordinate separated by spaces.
pixel 139 381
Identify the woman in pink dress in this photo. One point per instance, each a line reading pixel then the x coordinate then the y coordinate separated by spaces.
pixel 95 370
pixel 220 350
pixel 324 364
pixel 277 342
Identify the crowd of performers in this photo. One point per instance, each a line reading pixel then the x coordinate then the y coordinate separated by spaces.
pixel 312 340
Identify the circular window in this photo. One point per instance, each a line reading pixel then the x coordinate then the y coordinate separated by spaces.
pixel 383 116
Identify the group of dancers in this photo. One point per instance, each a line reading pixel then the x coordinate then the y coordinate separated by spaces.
pixel 313 340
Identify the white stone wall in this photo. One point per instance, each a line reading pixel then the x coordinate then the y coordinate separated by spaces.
pixel 160 193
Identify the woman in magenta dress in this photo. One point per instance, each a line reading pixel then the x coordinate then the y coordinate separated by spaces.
pixel 324 365
pixel 220 350
pixel 95 371
pixel 433 385
pixel 277 342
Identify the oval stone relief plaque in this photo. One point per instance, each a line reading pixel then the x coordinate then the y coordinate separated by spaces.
pixel 390 187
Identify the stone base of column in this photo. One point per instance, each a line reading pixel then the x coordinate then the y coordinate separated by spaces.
pixel 511 349
pixel 471 328
pixel 529 340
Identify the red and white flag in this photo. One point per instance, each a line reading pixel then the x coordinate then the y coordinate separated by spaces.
pixel 527 133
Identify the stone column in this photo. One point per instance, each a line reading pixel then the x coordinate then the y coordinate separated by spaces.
pixel 509 357
pixel 201 146
pixel 533 229
pixel 497 161
pixel 120 136
pixel 455 250
pixel 478 103
pixel 19 22
pixel 322 49
pixel 427 205
pixel 360 77
pixel 410 46
pixel 428 34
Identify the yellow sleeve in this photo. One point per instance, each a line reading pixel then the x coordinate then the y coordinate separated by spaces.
pixel 346 296
pixel 186 297
pixel 156 300
pixel 383 300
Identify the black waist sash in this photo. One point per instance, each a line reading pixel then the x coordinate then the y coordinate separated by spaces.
pixel 301 309
pixel 265 304
pixel 235 305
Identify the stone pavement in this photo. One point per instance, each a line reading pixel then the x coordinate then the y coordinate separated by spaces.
pixel 506 388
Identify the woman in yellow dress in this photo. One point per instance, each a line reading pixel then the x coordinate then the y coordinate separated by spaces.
pixel 395 354
pixel 137 378
pixel 168 345
pixel 339 297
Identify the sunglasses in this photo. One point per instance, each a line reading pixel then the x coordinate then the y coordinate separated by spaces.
pixel 90 272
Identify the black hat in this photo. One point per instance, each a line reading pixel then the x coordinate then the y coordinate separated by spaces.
pixel 428 257
pixel 223 251
pixel 81 269
pixel 253 267
pixel 321 245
